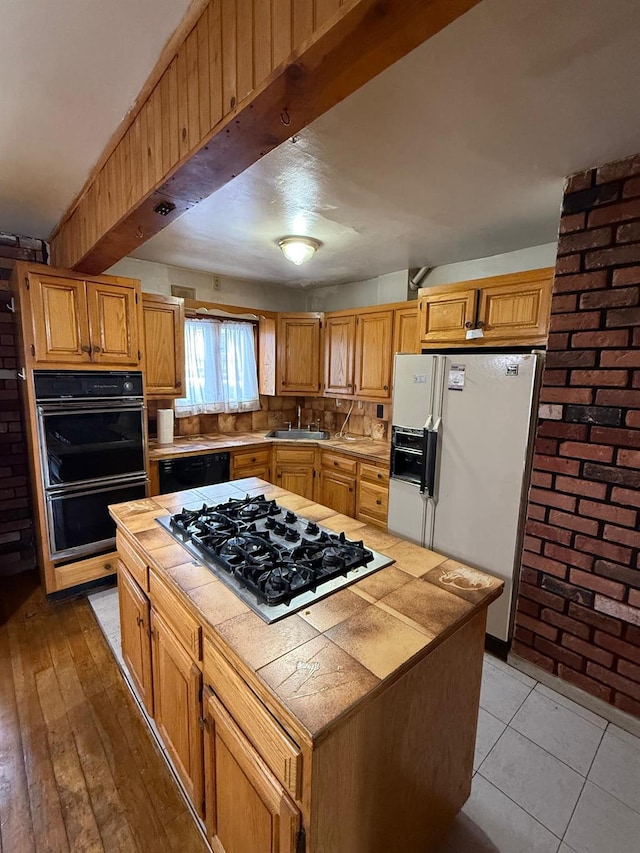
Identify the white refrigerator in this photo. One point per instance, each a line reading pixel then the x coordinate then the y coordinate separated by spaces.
pixel 462 437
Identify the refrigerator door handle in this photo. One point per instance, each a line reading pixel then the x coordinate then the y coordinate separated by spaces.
pixel 430 459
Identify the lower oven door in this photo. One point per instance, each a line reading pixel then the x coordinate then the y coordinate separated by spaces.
pixel 78 521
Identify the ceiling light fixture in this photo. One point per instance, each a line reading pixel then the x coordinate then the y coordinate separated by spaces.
pixel 298 250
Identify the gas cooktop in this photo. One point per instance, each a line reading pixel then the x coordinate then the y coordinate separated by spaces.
pixel 277 562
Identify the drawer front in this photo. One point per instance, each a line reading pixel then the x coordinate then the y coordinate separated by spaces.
pixel 296 455
pixel 373 501
pixel 134 562
pixel 374 474
pixel 84 571
pixel 250 459
pixel 338 462
pixel 176 615
pixel 261 728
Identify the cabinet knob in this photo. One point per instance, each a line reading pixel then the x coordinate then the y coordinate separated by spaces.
pixel 85 348
pixel 468 325
pixel 379 502
pixel 350 488
pixel 480 324
pixel 335 463
pixel 379 476
pixel 178 383
pixel 139 621
pixel 253 458
pixel 107 567
pixel 97 349
pixel 386 387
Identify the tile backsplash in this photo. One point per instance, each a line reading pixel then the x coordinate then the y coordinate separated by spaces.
pixel 276 412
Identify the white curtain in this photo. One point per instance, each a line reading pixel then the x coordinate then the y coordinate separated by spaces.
pixel 220 368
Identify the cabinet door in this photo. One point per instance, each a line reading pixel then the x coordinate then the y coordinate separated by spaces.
pixel 163 318
pixel 296 478
pixel 299 353
pixel 373 503
pixel 247 809
pixel 339 341
pixel 113 323
pixel 135 629
pixel 60 325
pixel 445 316
pixel 374 358
pixel 338 491
pixel 405 330
pixel 516 312
pixel 177 684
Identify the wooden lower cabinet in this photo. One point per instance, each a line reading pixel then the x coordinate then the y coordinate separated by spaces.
pixel 135 631
pixel 294 470
pixel 177 692
pixel 373 494
pixel 337 482
pixel 247 809
pixel 251 463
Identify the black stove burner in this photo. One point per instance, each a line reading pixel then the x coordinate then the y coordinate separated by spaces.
pixel 277 556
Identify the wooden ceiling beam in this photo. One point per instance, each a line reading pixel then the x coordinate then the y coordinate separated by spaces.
pixel 227 98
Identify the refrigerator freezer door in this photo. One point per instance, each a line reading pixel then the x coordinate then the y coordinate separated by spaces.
pixel 483 457
pixel 413 383
pixel 406 511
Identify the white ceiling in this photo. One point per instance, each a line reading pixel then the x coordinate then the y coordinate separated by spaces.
pixel 70 71
pixel 458 151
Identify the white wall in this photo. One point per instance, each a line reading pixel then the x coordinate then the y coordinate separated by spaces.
pixel 393 287
pixel 158 278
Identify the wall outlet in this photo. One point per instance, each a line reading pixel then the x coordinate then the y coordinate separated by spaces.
pixel 360 404
pixel 379 410
pixel 216 283
pixel 338 403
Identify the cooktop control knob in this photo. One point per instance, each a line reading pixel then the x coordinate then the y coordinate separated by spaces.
pixel 127 386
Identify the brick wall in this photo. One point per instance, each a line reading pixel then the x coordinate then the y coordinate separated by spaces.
pixel 16 525
pixel 579 604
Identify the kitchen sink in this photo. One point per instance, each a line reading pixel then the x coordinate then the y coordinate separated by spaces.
pixel 300 434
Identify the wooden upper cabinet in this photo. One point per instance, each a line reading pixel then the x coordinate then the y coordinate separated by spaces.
pixel 60 319
pixel 339 348
pixel 299 353
pixel 247 808
pixel 374 356
pixel 163 321
pixel 405 330
pixel 113 322
pixel 446 314
pixel 517 310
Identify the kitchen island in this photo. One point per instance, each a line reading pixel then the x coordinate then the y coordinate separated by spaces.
pixel 348 727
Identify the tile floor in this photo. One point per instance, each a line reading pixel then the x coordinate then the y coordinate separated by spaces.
pixel 549 775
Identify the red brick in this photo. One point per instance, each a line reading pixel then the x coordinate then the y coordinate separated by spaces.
pixel 614 397
pixel 530 608
pixel 538 627
pixel 573 222
pixel 579 283
pixel 617 646
pixel 547 498
pixel 580 181
pixel 579 450
pixel 616 514
pixel 571 358
pixel 528 576
pixel 618 169
pixel 602 549
pixel 548 599
pixel 598 584
pixel 633 419
pixel 548 446
pixel 628 233
pixel 566 623
pixel 568 555
pixel 617 298
pixel 559 653
pixel 573 522
pixel 523 635
pixel 622 535
pixel 544 564
pixel 581 487
pixel 629 458
pixel 555 377
pixel 624 685
pixel 587 650
pixel 618 610
pixel 539 478
pixel 556 464
pixel 566 302
pixel 567 590
pixel 635 379
pixel 615 437
pixel 533 544
pixel 630 188
pixel 614 213
pixel 634 598
pixel 558 341
pixel 600 340
pixel 568 264
pixel 626 704
pixel 628 477
pixel 536 512
pixel 560 429
pixel 574 321
pixel 612 257
pixel 628 497
pixel 596 689
pixel 598 620
pixel 566 395
pixel 622 317
pixel 629 670
pixel 626 276
pixel 625 574
pixel 545 531
pixel 594 239
pixel 602 378
pixel 632 634
pixel 533 656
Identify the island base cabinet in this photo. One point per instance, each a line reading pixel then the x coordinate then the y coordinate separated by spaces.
pixel 135 632
pixel 247 808
pixel 177 686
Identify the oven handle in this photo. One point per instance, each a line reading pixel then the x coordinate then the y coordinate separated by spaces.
pixel 77 490
pixel 72 408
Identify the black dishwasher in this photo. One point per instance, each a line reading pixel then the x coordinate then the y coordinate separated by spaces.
pixel 192 471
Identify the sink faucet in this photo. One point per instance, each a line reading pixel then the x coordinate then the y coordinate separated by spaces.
pixel 315 424
pixel 299 413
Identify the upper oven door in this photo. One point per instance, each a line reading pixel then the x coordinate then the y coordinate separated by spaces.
pixel 81 444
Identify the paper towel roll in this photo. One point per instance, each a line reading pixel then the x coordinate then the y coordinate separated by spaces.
pixel 165 426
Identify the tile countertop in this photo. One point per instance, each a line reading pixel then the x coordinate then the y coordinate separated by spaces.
pixel 190 445
pixel 354 642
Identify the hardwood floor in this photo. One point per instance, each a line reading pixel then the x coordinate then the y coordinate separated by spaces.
pixel 79 770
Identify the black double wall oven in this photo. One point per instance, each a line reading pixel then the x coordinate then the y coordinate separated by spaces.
pixel 91 429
